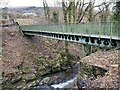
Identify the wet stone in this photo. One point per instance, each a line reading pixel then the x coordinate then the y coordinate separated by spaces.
pixel 20 85
pixel 0 86
pixel 1 81
pixel 80 84
pixel 55 80
pixel 43 72
pixel 34 83
pixel 44 87
pixel 16 79
pixel 45 80
pixel 38 81
pixel 56 69
pixel 31 84
pixel 63 67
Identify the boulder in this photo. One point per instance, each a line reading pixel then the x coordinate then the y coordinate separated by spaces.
pixel 16 79
pixel 55 69
pixel 80 84
pixel 44 71
pixel 44 87
pixel 113 68
pixel 20 85
pixel 28 77
pixel 31 84
pixel 45 80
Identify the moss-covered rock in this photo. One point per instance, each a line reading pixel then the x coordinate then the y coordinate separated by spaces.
pixel 28 77
pixel 87 70
pixel 31 84
pixel 55 66
pixel 44 71
pixel 16 79
pixel 20 85
pixel 45 80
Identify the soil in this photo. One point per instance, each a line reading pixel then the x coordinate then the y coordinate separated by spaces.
pixel 110 61
pixel 19 50
pixel 103 58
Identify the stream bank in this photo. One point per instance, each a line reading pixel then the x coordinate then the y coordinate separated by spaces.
pixel 69 78
pixel 42 62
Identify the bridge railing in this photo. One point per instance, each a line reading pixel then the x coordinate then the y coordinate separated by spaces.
pixel 97 28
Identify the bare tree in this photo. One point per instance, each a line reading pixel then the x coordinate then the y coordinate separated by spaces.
pixel 46 10
pixel 105 12
pixel 76 10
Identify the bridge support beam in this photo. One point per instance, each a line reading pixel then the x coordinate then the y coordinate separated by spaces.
pixel 83 39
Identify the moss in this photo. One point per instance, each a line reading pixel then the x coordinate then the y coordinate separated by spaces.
pixel 56 66
pixel 43 72
pixel 90 70
pixel 39 60
pixel 85 69
pixel 25 68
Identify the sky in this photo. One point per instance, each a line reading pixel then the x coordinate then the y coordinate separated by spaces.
pixel 19 3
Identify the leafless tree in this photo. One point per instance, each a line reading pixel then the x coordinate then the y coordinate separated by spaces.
pixel 76 10
pixel 46 10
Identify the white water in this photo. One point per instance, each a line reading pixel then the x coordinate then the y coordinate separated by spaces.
pixel 66 84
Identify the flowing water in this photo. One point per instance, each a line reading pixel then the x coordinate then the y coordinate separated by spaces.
pixel 72 78
pixel 66 84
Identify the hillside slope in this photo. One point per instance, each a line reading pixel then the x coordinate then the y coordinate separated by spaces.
pixel 32 51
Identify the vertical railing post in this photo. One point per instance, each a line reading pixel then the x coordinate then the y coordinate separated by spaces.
pixel 111 26
pixel 99 29
pixel 62 27
pixel 83 50
pixel 117 27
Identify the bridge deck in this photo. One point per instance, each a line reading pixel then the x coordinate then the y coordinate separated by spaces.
pixel 95 28
pixel 99 34
pixel 86 35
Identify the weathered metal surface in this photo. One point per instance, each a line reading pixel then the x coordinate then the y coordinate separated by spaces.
pixel 98 28
pixel 103 34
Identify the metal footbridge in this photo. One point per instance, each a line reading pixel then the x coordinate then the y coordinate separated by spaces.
pixel 102 34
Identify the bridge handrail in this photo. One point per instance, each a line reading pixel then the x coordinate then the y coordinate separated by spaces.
pixel 44 24
pixel 108 28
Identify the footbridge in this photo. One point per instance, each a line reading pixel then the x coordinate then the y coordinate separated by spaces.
pixel 102 34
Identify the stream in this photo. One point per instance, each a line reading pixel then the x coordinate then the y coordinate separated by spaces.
pixel 66 84
pixel 72 78
pixel 69 80
pixel 60 80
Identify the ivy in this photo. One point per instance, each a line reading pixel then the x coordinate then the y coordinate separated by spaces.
pixel 116 13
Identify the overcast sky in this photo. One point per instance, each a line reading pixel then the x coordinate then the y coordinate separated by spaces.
pixel 19 3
